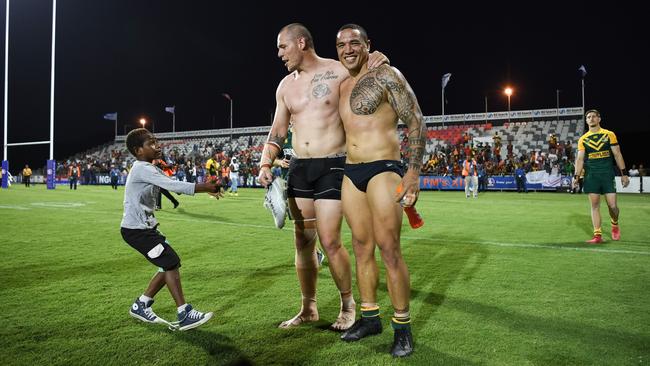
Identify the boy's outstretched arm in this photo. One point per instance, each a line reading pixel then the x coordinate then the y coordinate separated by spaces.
pixel 213 189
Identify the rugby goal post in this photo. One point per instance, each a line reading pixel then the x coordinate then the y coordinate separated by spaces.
pixel 51 163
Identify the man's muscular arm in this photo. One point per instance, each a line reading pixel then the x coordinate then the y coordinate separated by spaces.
pixel 275 140
pixel 405 104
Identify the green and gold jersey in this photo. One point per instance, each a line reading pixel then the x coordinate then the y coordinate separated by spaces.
pixel 287 148
pixel 212 166
pixel 598 150
pixel 287 151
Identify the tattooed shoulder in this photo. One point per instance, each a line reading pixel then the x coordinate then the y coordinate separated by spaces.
pixel 366 95
pixel 388 77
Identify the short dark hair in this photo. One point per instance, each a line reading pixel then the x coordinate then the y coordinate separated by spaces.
pixel 363 32
pixel 592 111
pixel 298 30
pixel 136 138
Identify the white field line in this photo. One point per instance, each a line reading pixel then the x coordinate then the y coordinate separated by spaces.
pixel 487 243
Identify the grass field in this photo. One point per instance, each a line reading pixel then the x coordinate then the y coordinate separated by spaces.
pixel 502 280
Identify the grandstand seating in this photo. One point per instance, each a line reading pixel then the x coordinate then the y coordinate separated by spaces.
pixel 525 136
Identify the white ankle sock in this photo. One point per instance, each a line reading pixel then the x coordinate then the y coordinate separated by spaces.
pixel 145 299
pixel 181 308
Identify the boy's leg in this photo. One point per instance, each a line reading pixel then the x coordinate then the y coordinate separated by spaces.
pixel 188 317
pixel 157 282
pixel 173 281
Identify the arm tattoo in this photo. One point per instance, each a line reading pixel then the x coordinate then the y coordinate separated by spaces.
pixel 269 154
pixel 366 96
pixel 277 139
pixel 403 101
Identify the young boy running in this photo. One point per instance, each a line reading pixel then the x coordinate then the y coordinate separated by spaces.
pixel 139 230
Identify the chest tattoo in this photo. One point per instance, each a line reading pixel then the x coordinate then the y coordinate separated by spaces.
pixel 320 91
pixel 366 96
pixel 327 75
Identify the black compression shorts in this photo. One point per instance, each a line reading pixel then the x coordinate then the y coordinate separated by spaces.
pixel 317 178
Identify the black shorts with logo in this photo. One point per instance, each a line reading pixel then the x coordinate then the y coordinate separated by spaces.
pixel 317 178
pixel 153 246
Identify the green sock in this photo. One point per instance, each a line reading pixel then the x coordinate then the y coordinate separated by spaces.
pixel 370 312
pixel 401 322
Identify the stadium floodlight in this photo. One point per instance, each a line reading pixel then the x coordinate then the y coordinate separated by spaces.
pixel 508 92
pixel 143 122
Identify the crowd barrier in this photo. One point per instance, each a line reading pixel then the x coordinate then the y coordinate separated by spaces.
pixel 509 183
pixel 432 182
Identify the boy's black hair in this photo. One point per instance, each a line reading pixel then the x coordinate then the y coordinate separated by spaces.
pixel 136 138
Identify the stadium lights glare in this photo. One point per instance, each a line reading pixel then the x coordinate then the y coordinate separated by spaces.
pixel 142 122
pixel 508 91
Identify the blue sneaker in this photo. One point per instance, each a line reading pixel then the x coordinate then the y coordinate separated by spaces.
pixel 190 318
pixel 142 311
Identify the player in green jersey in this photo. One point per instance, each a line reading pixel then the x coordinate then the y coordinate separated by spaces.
pixel 598 151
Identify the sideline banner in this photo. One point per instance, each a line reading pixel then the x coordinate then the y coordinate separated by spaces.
pixel 442 183
pixel 508 182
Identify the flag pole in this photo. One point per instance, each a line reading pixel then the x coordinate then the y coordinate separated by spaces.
pixel 231 119
pixel 583 95
pixel 115 125
pixel 174 120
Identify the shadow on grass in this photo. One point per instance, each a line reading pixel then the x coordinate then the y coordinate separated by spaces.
pixel 183 212
pixel 428 293
pixel 583 222
pixel 447 266
pixel 588 337
pixel 219 347
pixel 34 275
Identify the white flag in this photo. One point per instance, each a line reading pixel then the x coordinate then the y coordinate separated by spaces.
pixel 170 109
pixel 583 70
pixel 111 116
pixel 445 79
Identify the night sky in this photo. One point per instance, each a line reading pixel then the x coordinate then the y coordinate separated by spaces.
pixel 135 57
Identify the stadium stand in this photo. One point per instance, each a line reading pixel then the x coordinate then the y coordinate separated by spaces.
pixel 524 141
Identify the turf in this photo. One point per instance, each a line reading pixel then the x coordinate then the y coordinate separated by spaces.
pixel 505 279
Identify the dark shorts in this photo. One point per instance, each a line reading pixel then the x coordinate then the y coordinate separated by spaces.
pixel 599 182
pixel 360 174
pixel 318 178
pixel 153 246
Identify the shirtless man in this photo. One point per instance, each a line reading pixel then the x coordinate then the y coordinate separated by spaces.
pixel 371 101
pixel 309 97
